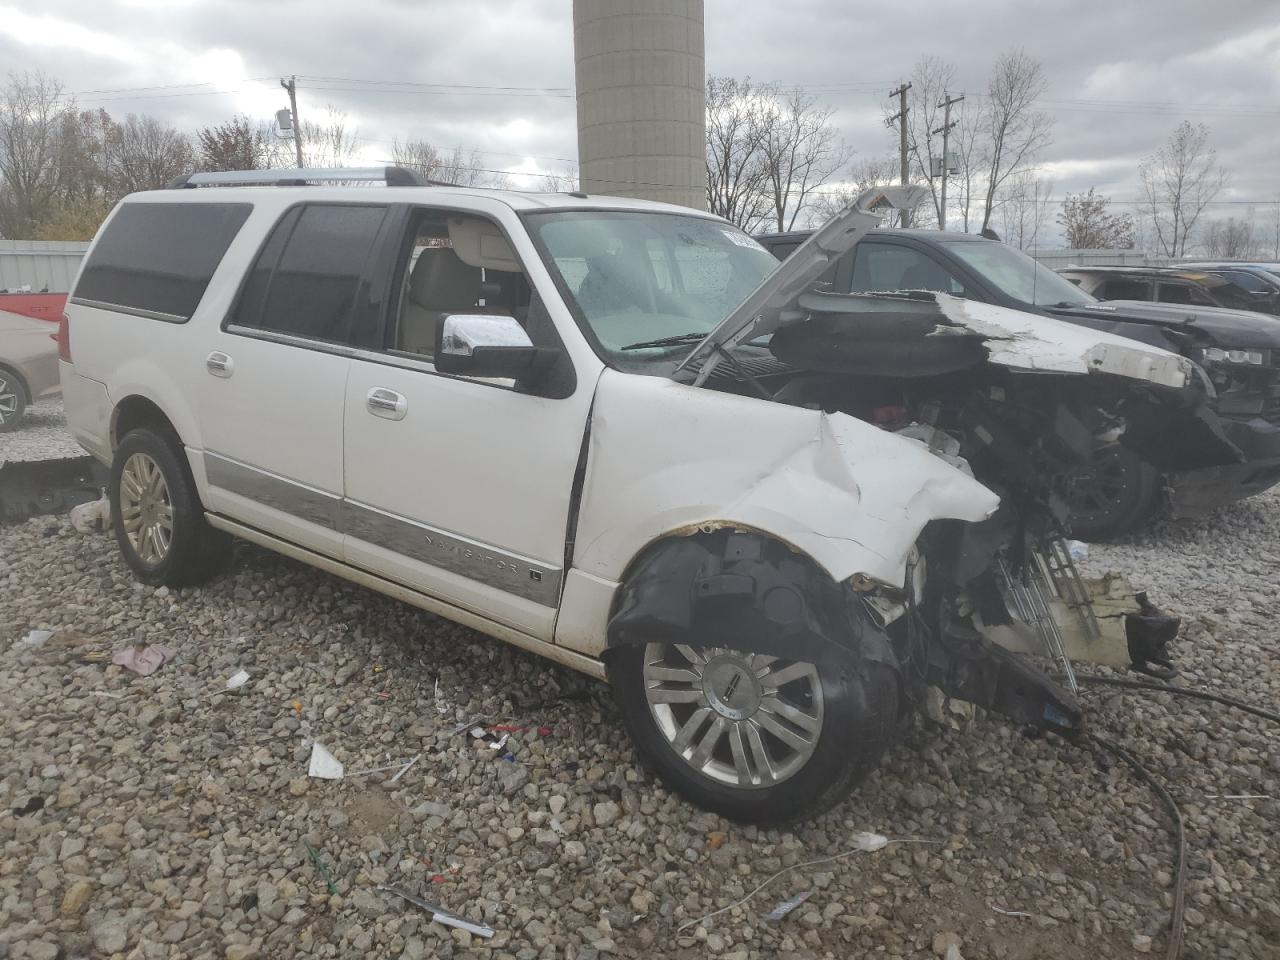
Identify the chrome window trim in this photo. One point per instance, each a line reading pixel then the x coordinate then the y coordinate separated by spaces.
pixel 290 340
pixel 130 311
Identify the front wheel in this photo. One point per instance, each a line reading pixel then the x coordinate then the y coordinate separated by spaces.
pixel 1115 494
pixel 156 512
pixel 754 737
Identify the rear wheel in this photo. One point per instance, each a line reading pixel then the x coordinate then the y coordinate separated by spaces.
pixel 13 400
pixel 158 520
pixel 1117 493
pixel 754 737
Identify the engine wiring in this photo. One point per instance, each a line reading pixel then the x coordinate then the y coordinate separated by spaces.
pixel 1262 712
pixel 1176 919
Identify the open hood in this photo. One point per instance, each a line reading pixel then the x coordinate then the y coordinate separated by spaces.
pixel 1016 339
pixel 774 302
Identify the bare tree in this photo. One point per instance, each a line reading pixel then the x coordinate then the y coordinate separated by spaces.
pixel 328 143
pixel 801 152
pixel 931 79
pixel 237 144
pixel 1231 239
pixel 862 175
pixel 464 168
pixel 563 182
pixel 1179 181
pixel 1088 225
pixel 1013 129
pixel 32 113
pixel 737 177
pixel 145 154
pixel 1024 209
pixel 1270 243
pixel 419 156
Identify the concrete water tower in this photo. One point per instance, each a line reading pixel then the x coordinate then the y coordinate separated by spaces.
pixel 641 77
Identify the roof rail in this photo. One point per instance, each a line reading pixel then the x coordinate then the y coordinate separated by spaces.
pixel 293 177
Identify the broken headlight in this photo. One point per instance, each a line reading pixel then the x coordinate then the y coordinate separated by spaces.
pixel 1217 355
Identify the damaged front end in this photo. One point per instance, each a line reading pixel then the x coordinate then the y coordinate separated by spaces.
pixel 1010 398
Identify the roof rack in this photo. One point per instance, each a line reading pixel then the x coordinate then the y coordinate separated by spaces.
pixel 293 177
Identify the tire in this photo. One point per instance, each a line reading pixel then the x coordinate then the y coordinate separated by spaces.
pixel 852 709
pixel 13 400
pixel 1118 494
pixel 157 516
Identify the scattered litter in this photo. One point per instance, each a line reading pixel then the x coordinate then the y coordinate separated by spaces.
pixel 144 661
pixel 1237 796
pixel 513 728
pixel 92 517
pixel 1078 550
pixel 109 696
pixel 35 639
pixel 440 915
pixel 401 765
pixel 499 744
pixel 463 726
pixel 237 679
pixel 31 806
pixel 716 838
pixel 324 765
pixel 1011 913
pixel 787 905
pixel 324 871
pixel 863 843
pixel 297 706
pixel 405 768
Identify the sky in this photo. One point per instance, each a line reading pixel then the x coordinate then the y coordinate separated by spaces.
pixel 1121 75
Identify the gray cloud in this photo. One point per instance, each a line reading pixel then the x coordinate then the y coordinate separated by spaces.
pixel 1141 66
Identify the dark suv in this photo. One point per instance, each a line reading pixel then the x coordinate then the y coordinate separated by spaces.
pixel 1235 290
pixel 1236 448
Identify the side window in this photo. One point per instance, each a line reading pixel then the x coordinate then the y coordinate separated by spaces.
pixel 1124 290
pixel 453 263
pixel 886 267
pixel 307 281
pixel 783 250
pixel 1183 293
pixel 157 258
pixel 1247 281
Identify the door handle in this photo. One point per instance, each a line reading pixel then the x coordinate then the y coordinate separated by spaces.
pixel 387 404
pixel 219 364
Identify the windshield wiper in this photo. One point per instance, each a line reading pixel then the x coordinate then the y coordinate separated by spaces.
pixel 674 341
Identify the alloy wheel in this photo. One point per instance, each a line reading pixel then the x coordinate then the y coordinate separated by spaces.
pixel 9 399
pixel 746 720
pixel 146 511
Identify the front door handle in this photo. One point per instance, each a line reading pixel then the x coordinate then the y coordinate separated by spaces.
pixel 387 404
pixel 219 364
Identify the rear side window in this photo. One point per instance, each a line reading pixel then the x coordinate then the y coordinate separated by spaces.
pixel 1125 290
pixel 156 259
pixel 307 281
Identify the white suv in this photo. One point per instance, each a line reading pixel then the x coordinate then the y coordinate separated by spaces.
pixel 619 435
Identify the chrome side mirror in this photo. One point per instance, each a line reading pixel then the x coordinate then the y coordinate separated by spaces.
pixel 484 345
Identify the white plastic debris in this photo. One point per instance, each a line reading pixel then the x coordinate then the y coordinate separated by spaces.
pixel 324 765
pixel 92 517
pixel 869 842
pixel 787 905
pixel 440 915
pixel 237 679
pixel 1078 550
pixel 35 639
pixel 143 661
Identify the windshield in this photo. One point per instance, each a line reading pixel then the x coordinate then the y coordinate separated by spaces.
pixel 1016 275
pixel 638 277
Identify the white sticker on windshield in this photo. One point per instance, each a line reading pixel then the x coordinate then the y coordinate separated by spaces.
pixel 741 239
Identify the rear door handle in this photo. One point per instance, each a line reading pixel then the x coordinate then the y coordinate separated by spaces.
pixel 387 404
pixel 219 364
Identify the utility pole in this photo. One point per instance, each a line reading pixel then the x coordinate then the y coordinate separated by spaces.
pixel 292 86
pixel 945 130
pixel 901 118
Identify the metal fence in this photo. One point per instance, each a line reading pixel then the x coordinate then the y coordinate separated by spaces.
pixel 1057 259
pixel 40 264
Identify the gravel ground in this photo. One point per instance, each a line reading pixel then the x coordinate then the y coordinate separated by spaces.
pixel 42 435
pixel 165 817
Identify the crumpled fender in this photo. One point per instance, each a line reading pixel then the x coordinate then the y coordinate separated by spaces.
pixel 665 458
pixel 745 591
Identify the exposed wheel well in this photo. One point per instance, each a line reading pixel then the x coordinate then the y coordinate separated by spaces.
pixel 134 412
